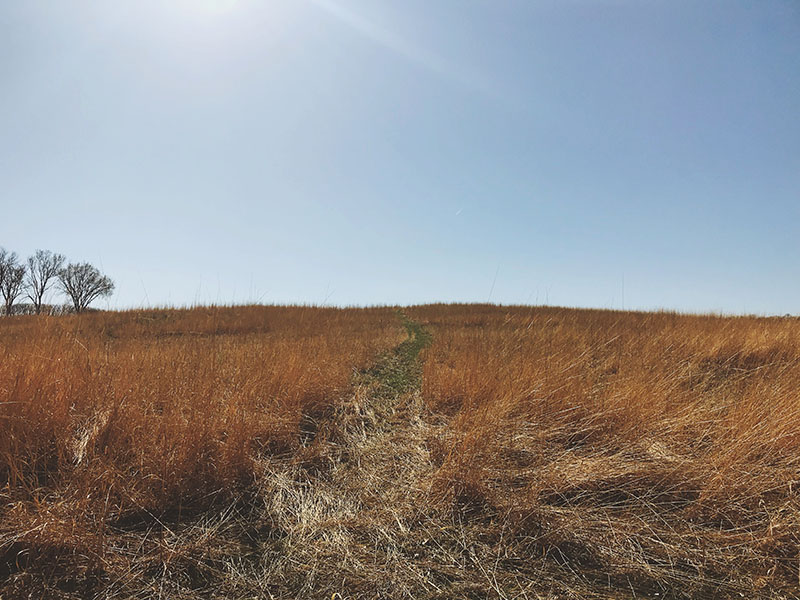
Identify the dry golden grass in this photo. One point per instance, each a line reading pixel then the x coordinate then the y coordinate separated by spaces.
pixel 119 420
pixel 647 452
pixel 285 452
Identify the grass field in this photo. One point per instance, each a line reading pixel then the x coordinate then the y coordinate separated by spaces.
pixel 442 451
pixel 653 454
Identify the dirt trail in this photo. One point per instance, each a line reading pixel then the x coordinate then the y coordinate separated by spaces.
pixel 348 515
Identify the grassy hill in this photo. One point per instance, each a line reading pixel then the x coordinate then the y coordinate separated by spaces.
pixel 441 451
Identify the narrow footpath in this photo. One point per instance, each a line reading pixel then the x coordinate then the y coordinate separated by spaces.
pixel 347 515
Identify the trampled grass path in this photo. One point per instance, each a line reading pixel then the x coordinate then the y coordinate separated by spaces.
pixel 398 372
pixel 348 512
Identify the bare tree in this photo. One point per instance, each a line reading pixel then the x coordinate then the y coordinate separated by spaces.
pixel 4 254
pixel 12 287
pixel 43 268
pixel 12 276
pixel 6 260
pixel 83 283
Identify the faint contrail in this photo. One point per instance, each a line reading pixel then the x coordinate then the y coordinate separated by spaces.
pixel 496 273
pixel 426 59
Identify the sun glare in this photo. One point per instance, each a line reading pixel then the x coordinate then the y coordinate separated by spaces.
pixel 213 7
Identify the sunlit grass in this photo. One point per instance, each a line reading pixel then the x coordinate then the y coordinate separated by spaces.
pixel 464 451
pixel 652 447
pixel 110 417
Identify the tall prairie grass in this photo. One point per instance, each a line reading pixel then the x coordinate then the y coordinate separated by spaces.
pixel 655 451
pixel 528 452
pixel 113 418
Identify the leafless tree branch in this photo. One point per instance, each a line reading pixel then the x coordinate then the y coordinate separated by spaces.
pixel 43 268
pixel 12 275
pixel 84 283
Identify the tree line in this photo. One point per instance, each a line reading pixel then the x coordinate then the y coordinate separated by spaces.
pixel 81 283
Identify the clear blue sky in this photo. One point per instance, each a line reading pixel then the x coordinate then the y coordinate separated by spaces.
pixel 364 151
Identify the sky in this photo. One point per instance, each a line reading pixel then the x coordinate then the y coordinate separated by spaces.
pixel 636 154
